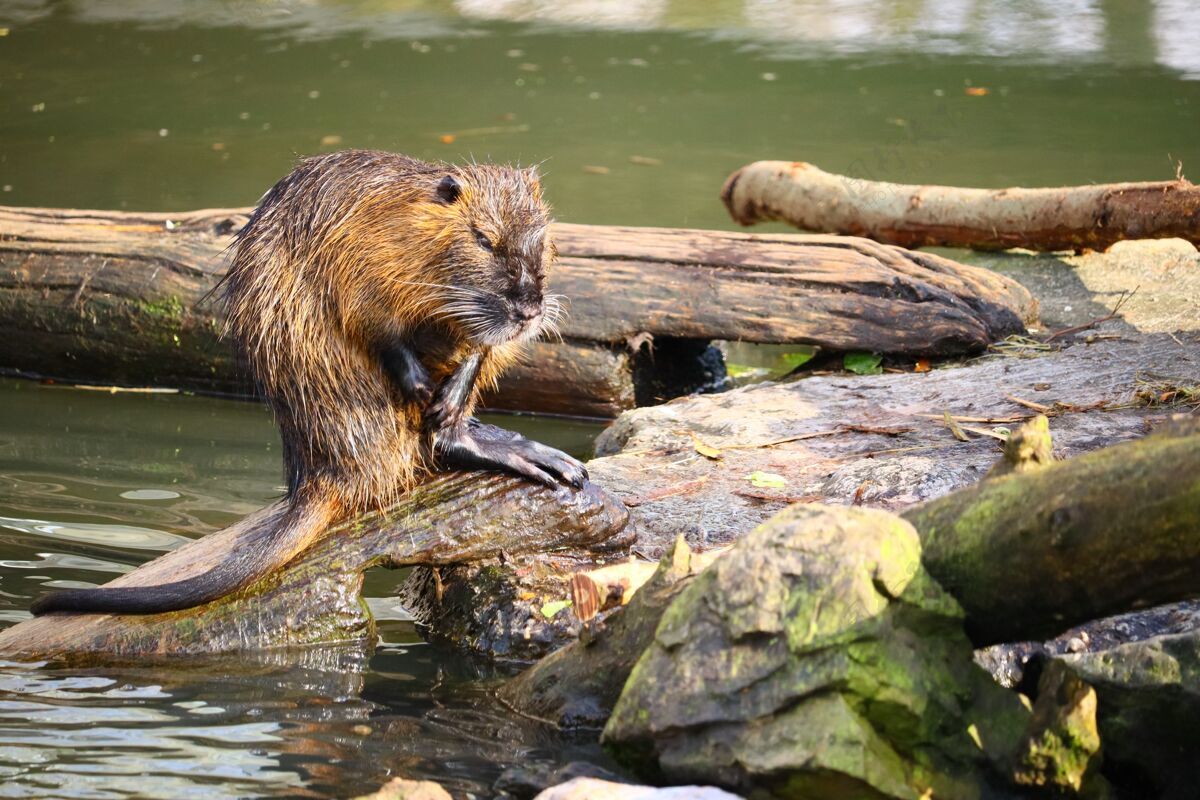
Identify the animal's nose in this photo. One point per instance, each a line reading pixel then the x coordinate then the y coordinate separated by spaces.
pixel 524 313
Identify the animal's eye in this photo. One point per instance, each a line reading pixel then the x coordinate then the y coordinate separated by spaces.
pixel 483 240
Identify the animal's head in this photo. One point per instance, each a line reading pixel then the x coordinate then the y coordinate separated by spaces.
pixel 490 227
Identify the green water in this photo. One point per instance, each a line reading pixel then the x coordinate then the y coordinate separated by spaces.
pixel 636 111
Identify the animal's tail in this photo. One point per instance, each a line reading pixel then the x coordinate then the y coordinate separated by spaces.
pixel 299 526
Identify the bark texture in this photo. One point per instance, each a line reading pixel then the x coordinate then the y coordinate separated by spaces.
pixel 1058 218
pixel 874 440
pixel 115 297
pixel 1031 553
pixel 316 599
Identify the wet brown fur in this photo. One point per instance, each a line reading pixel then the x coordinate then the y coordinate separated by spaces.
pixel 347 252
pixel 347 248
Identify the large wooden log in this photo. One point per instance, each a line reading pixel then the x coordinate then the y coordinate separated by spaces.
pixel 711 467
pixel 1059 218
pixel 1029 551
pixel 1035 551
pixel 316 599
pixel 117 297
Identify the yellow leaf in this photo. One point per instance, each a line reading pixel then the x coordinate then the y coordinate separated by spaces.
pixel 708 451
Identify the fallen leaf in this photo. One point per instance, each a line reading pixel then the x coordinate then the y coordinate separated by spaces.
pixel 447 138
pixel 863 363
pixel 766 480
pixel 976 91
pixel 922 365
pixel 595 170
pixel 708 451
pixel 549 610
pixel 586 596
pixel 954 427
pixel 645 161
pixel 797 359
pixel 331 140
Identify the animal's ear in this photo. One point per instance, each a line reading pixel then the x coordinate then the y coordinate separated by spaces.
pixel 448 190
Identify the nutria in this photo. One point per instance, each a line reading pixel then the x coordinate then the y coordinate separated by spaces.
pixel 371 294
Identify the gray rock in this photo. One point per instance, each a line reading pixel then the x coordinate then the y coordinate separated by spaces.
pixel 594 789
pixel 1148 705
pixel 817 659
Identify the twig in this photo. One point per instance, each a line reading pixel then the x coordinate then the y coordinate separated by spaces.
pixel 1041 409
pixel 954 428
pixel 666 491
pixel 1085 326
pixel 781 498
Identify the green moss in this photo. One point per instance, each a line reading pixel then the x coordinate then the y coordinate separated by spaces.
pixel 169 309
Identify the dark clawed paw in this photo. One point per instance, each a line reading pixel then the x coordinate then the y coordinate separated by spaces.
pixel 548 460
pixel 518 455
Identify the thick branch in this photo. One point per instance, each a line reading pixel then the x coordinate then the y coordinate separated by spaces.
pixel 1031 553
pixel 453 518
pixel 1060 218
pixel 116 298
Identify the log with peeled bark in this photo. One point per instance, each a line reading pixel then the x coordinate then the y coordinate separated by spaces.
pixel 1056 218
pixel 317 597
pixel 117 298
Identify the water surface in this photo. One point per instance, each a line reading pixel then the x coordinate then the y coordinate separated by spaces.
pixel 636 112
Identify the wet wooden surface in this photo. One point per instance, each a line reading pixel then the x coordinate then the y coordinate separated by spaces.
pixel 112 297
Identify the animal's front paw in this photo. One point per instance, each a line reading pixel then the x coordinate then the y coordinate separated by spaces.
pixel 549 461
pixel 477 446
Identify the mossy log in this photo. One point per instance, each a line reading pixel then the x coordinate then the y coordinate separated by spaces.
pixel 1034 551
pixel 1027 552
pixel 316 599
pixel 1058 218
pixel 118 298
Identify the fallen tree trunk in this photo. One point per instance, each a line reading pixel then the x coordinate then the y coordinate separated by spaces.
pixel 1027 552
pixel 1033 552
pixel 316 599
pixel 711 467
pixel 1059 218
pixel 114 297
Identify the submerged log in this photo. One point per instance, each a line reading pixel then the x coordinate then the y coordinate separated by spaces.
pixel 316 599
pixel 115 297
pixel 1035 551
pixel 1058 218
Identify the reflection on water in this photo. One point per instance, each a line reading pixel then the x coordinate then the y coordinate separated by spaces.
pixel 83 498
pixel 317 723
pixel 206 103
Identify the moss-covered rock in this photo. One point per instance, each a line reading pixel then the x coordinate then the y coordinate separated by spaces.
pixel 1061 747
pixel 818 659
pixel 1148 712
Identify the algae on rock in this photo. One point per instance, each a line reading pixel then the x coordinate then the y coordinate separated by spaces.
pixel 1148 704
pixel 818 659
